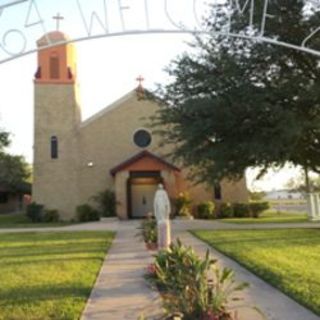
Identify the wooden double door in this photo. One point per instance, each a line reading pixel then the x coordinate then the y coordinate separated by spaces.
pixel 142 191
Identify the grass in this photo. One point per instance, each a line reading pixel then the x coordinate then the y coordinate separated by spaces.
pixel 20 220
pixel 271 217
pixel 287 258
pixel 49 275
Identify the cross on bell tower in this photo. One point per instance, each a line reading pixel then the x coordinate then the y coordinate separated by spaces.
pixel 58 18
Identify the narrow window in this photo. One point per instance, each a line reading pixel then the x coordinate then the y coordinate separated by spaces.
pixel 54 67
pixel 54 147
pixel 217 192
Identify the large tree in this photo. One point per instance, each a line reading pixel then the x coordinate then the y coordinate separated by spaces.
pixel 14 170
pixel 236 103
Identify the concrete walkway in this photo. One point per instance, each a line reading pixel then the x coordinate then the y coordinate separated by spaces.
pixel 114 224
pixel 121 292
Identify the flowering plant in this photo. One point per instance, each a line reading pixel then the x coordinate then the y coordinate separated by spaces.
pixel 183 204
pixel 193 286
pixel 151 269
pixel 149 231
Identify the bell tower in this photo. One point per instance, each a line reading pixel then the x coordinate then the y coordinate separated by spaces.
pixel 56 65
pixel 57 117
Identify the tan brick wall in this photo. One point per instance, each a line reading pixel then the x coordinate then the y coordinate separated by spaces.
pixel 235 191
pixel 107 141
pixel 57 114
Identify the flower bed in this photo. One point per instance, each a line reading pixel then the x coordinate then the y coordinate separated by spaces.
pixel 149 233
pixel 192 287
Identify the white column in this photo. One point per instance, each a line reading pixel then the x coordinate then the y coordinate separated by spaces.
pixel 121 194
pixel 313 201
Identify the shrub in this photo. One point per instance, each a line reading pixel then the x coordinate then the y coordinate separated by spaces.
pixel 35 212
pixel 51 216
pixel 149 231
pixel 86 213
pixel 205 210
pixel 226 211
pixel 107 203
pixel 183 204
pixel 256 208
pixel 176 267
pixel 241 210
pixel 187 283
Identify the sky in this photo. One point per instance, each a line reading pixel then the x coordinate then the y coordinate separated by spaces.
pixel 107 67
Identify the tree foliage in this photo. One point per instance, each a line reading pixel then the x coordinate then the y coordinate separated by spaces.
pixel 4 140
pixel 236 103
pixel 257 195
pixel 107 203
pixel 14 170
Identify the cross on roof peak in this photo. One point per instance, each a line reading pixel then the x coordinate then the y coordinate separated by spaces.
pixel 140 79
pixel 140 90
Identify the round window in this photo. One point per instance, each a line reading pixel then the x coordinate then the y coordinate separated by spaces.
pixel 142 138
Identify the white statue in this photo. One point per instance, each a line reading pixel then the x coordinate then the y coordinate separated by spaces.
pixel 162 213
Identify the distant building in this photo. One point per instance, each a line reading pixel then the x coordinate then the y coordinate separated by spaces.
pixel 14 200
pixel 284 195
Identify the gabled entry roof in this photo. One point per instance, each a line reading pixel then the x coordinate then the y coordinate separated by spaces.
pixel 140 156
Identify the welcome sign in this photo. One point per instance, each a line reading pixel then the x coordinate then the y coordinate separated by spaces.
pixel 22 22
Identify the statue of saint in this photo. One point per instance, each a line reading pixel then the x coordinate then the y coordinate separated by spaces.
pixel 162 210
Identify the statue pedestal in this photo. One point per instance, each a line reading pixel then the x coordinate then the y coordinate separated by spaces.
pixel 313 202
pixel 164 235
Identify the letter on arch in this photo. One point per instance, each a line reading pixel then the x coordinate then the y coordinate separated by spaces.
pixel 89 23
pixel 242 9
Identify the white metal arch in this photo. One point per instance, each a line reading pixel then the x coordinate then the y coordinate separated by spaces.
pixel 178 28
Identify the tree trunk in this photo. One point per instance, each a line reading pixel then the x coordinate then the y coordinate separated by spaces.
pixel 308 186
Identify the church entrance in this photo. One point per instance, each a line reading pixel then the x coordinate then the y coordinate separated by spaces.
pixel 141 190
pixel 142 199
pixel 136 181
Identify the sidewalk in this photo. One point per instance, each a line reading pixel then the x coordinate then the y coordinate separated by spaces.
pixel 113 224
pixel 271 302
pixel 120 292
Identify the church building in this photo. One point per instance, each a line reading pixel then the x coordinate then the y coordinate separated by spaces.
pixel 74 160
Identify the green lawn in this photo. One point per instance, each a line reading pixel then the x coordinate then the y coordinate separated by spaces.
pixel 49 275
pixel 20 220
pixel 271 217
pixel 289 259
